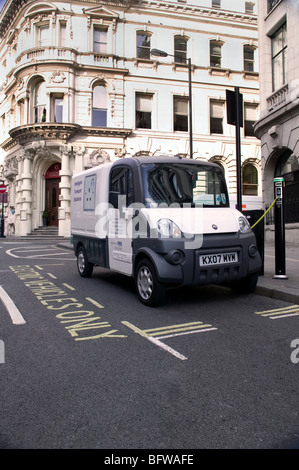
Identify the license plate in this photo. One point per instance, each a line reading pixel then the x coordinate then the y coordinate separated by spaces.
pixel 219 258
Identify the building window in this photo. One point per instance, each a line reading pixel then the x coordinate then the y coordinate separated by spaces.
pixel 21 107
pixel 279 50
pixel 181 113
pixel 215 53
pixel 40 103
pixel 250 117
pixel 272 4
pixel 99 106
pixel 216 3
pixel 99 40
pixel 249 180
pixel 249 8
pixel 216 116
pixel 143 45
pixel 248 57
pixel 43 35
pixel 143 111
pixel 180 50
pixel 57 108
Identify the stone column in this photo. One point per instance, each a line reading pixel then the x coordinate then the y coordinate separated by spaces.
pixel 25 195
pixel 78 153
pixel 64 211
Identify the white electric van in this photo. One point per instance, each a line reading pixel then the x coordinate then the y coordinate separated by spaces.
pixel 165 221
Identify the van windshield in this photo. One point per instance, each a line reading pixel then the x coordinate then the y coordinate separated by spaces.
pixel 195 184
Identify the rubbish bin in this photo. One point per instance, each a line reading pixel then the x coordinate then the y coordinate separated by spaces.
pixel 259 231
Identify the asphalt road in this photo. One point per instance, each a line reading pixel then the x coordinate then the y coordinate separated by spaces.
pixel 84 365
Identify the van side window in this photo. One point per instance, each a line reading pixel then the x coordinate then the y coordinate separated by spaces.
pixel 121 184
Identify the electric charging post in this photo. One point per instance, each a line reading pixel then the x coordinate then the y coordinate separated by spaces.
pixel 280 261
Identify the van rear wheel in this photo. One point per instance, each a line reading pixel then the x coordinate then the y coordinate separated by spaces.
pixel 85 268
pixel 149 290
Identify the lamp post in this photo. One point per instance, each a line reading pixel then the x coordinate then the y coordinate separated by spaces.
pixel 159 53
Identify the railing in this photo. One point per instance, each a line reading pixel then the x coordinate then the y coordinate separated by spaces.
pixel 44 53
pixel 291 205
pixel 277 98
pixel 63 53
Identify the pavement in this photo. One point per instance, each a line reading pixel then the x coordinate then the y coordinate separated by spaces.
pixel 283 289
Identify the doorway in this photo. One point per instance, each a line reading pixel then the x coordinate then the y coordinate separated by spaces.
pixel 52 194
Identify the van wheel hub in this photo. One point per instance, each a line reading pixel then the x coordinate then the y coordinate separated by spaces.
pixel 145 283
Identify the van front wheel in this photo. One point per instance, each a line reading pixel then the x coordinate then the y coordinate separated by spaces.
pixel 85 268
pixel 149 290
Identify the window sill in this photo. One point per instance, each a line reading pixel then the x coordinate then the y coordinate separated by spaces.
pixel 145 63
pixel 219 71
pixel 250 75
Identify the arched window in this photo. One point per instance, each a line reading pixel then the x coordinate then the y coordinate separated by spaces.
pixel 99 106
pixel 40 102
pixel 250 180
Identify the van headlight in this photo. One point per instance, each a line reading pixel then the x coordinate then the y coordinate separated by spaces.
pixel 168 229
pixel 244 224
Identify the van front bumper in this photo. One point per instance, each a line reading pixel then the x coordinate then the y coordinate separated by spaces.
pixel 222 258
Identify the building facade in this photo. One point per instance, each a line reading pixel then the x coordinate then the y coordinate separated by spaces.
pixel 80 86
pixel 279 108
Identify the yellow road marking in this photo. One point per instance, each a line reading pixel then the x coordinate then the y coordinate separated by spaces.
pixel 278 311
pixel 52 276
pixel 94 302
pixel 68 286
pixel 176 328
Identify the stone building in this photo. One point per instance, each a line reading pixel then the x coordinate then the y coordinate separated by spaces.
pixel 279 108
pixel 79 87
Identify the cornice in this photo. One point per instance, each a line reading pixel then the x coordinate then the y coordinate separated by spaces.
pixel 62 132
pixel 9 13
pixel 43 131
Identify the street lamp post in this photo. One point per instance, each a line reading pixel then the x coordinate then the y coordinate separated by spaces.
pixel 159 53
pixel 2 213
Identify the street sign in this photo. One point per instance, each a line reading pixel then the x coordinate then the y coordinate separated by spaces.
pixel 2 188
pixel 231 103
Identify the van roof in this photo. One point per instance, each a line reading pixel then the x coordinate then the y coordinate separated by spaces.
pixel 136 161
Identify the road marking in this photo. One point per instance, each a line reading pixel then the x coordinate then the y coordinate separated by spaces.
pixel 68 286
pixel 178 330
pixel 47 253
pixel 94 302
pixel 156 334
pixel 52 276
pixel 283 312
pixel 72 314
pixel 155 341
pixel 10 306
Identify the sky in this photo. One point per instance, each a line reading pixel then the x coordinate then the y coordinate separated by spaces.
pixel 1 3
